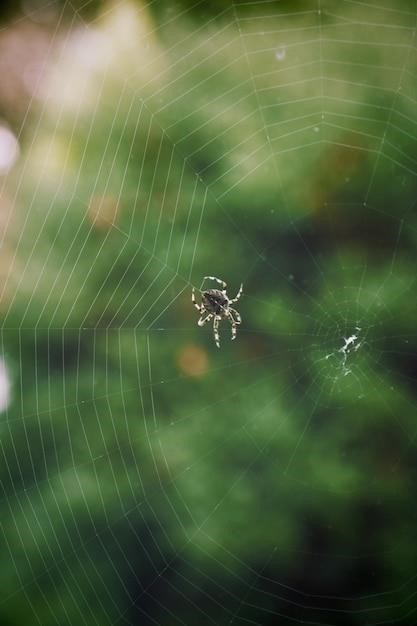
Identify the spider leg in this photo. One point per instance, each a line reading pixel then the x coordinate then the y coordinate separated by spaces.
pixel 216 330
pixel 204 318
pixel 239 293
pixel 221 282
pixel 233 323
pixel 235 315
pixel 197 306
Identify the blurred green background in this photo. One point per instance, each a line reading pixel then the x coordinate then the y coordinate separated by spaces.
pixel 148 477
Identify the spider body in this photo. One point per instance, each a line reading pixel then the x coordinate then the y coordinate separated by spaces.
pixel 214 301
pixel 215 304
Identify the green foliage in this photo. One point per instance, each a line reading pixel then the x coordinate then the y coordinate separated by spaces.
pixel 162 152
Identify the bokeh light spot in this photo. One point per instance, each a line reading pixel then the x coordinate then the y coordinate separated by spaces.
pixel 192 360
pixel 9 150
pixel 4 386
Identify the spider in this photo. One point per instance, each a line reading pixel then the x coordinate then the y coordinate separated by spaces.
pixel 216 304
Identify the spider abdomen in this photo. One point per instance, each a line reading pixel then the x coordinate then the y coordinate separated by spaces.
pixel 215 301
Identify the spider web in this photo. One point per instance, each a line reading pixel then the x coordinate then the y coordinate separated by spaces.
pixel 149 478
